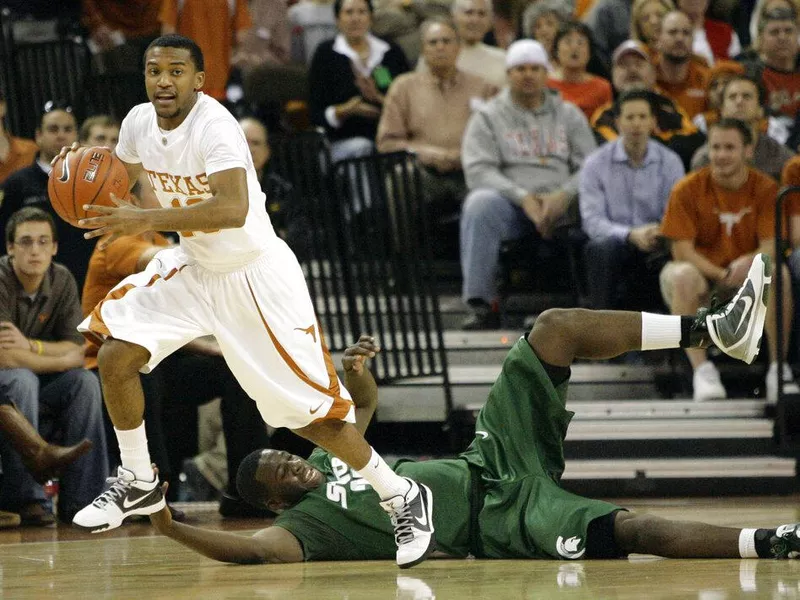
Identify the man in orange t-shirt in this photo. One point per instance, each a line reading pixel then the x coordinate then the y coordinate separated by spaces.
pixel 15 153
pixel 216 26
pixel 718 218
pixel 679 74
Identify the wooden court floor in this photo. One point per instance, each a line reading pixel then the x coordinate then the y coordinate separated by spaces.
pixel 132 562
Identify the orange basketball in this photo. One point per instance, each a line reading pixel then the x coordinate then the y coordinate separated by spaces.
pixel 86 176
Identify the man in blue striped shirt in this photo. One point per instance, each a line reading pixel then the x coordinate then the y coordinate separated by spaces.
pixel 624 188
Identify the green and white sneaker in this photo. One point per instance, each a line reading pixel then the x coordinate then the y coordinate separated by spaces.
pixel 785 543
pixel 736 327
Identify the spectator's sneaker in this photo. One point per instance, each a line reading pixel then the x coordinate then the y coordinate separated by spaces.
pixel 412 518
pixel 127 496
pixel 482 317
pixel 789 384
pixel 706 383
pixel 786 541
pixel 736 328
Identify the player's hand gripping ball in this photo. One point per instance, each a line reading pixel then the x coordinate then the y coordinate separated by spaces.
pixel 85 176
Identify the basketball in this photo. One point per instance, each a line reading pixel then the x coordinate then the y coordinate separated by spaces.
pixel 86 176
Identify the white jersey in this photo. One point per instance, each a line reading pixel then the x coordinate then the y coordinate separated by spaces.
pixel 178 163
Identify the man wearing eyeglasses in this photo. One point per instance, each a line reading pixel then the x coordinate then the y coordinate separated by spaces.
pixel 41 373
pixel 28 186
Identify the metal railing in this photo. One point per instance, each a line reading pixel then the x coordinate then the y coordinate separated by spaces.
pixel 369 262
pixel 786 418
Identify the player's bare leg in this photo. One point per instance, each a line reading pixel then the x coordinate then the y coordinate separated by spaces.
pixel 409 504
pixel 135 490
pixel 561 335
pixel 647 534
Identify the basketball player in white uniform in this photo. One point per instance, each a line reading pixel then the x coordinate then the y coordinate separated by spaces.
pixel 231 277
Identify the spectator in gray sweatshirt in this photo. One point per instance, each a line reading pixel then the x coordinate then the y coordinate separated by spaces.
pixel 521 155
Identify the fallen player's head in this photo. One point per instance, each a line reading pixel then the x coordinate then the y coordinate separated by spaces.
pixel 275 479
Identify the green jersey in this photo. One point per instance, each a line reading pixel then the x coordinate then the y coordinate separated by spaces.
pixel 343 520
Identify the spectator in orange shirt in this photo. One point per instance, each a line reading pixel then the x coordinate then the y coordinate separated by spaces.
pixel 791 176
pixel 15 153
pixel 572 51
pixel 718 218
pixel 678 73
pixel 217 26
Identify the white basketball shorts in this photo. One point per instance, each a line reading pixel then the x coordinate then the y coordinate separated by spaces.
pixel 261 315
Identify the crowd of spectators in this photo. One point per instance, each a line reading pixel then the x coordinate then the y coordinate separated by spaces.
pixel 661 129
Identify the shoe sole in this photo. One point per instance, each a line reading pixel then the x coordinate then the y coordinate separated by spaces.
pixel 757 275
pixel 145 511
pixel 754 344
pixel 432 543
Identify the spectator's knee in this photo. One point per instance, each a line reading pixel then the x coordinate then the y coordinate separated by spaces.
pixel 478 204
pixel 682 280
pixel 21 386
pixel 85 389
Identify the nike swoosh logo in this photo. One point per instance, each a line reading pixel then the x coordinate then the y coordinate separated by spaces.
pixel 748 305
pixel 139 500
pixel 483 434
pixel 313 411
pixel 64 170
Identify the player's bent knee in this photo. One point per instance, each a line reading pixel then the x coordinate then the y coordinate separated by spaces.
pixel 118 358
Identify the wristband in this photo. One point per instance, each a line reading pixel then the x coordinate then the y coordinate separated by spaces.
pixel 39 347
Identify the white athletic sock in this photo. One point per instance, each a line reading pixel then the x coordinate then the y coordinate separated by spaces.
pixel 133 452
pixel 382 479
pixel 660 331
pixel 747 543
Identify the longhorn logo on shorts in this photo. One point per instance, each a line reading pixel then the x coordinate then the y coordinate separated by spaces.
pixel 569 548
pixel 309 330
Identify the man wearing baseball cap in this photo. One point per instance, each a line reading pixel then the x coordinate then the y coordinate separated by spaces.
pixel 632 69
pixel 521 155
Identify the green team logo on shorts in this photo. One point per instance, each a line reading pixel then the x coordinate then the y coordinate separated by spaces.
pixel 569 548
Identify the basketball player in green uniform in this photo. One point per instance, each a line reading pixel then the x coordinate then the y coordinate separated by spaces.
pixel 501 497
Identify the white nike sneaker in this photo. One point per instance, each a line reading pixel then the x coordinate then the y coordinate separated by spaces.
pixel 412 518
pixel 737 327
pixel 127 496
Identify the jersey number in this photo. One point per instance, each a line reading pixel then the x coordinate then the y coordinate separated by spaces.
pixel 336 491
pixel 176 203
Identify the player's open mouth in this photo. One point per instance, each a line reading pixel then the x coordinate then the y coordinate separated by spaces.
pixel 165 98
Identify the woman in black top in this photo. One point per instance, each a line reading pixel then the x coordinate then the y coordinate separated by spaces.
pixel 348 79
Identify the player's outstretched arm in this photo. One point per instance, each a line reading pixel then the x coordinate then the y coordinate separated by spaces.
pixel 270 545
pixel 359 380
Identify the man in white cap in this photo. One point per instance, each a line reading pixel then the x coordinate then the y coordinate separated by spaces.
pixel 521 155
pixel 632 69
